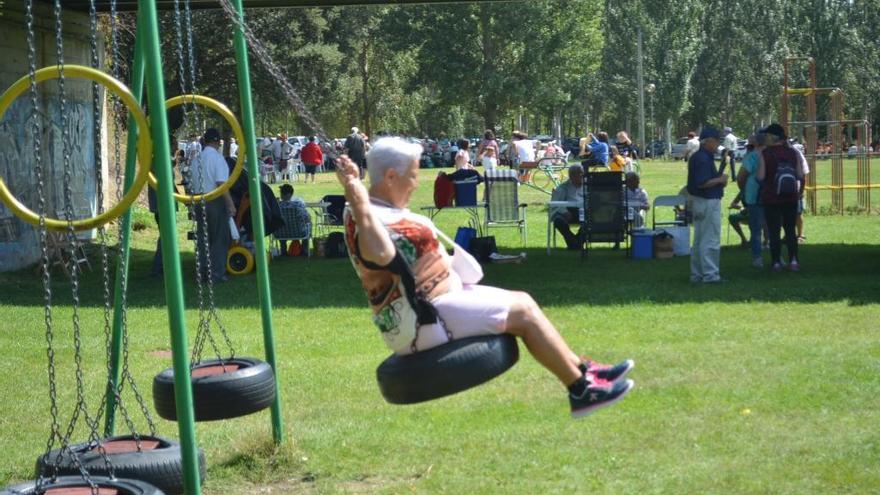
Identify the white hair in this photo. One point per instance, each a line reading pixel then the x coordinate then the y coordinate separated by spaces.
pixel 391 153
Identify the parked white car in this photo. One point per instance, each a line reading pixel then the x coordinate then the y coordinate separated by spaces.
pixel 679 148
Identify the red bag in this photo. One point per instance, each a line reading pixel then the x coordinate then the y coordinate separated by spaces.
pixel 295 248
pixel 444 191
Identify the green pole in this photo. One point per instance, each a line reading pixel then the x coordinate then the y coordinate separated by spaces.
pixel 264 290
pixel 149 27
pixel 137 89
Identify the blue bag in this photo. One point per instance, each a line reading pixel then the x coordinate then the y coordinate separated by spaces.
pixel 464 236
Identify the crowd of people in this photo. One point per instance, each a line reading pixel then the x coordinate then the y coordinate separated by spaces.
pixel 771 181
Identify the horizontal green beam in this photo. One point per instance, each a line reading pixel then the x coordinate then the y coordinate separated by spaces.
pixel 131 5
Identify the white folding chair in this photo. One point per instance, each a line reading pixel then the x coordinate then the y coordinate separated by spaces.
pixel 669 201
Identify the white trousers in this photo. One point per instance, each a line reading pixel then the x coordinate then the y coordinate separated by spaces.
pixel 706 251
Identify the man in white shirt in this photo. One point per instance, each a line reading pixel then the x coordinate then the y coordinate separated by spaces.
pixel 692 145
pixel 233 148
pixel 210 171
pixel 562 218
pixel 729 141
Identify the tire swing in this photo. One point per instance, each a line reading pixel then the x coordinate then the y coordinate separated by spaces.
pixel 425 375
pixel 132 464
pixel 224 387
pixel 446 369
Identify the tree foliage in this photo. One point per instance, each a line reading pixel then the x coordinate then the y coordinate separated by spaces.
pixel 457 69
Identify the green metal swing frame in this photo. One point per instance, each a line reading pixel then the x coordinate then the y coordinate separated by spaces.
pixel 147 68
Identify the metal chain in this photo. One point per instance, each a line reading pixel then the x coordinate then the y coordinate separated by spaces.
pixel 102 233
pixel 72 249
pixel 118 122
pixel 125 376
pixel 207 312
pixel 262 54
pixel 37 129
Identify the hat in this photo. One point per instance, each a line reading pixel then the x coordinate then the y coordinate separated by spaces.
pixel 776 130
pixel 211 135
pixel 727 130
pixel 709 132
pixel 354 129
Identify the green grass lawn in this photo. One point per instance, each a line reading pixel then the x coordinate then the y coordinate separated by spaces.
pixel 766 384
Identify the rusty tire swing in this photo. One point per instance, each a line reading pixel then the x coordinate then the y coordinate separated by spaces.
pixel 151 459
pixel 222 389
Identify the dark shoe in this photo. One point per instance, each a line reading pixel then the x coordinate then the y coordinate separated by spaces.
pixel 598 396
pixel 608 372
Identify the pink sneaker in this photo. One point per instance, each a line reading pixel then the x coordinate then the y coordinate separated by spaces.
pixel 794 266
pixel 606 372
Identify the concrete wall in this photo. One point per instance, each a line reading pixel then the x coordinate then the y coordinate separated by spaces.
pixel 19 242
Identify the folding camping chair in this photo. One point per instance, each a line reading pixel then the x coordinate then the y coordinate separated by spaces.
pixel 297 226
pixel 605 208
pixel 331 217
pixel 503 208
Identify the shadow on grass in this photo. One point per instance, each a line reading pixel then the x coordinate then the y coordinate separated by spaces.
pixel 831 272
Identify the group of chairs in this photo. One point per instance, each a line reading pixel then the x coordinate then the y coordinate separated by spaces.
pixel 295 167
pixel 608 218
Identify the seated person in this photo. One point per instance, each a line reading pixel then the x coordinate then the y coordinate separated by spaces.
pixel 420 300
pixel 562 218
pixel 596 149
pixel 618 161
pixel 636 200
pixel 739 216
pixel 303 219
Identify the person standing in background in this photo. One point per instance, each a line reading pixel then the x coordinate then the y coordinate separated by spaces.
pixel 782 176
pixel 730 143
pixel 312 157
pixel 356 149
pixel 706 188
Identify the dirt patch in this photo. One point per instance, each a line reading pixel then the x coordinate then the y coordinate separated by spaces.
pixel 161 353
pixel 306 486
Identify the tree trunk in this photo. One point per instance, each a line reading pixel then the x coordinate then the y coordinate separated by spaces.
pixel 487 69
pixel 364 67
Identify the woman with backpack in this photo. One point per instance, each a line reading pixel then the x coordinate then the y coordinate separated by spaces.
pixel 781 175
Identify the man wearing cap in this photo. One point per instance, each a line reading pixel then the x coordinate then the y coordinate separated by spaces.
pixel 210 171
pixel 730 144
pixel 706 188
pixel 355 148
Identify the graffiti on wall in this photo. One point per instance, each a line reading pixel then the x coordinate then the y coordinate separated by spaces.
pixel 18 240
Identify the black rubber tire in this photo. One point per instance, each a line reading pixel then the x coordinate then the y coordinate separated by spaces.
pixel 123 486
pixel 247 390
pixel 160 467
pixel 446 369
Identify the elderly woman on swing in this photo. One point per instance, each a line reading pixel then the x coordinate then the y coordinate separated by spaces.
pixel 387 241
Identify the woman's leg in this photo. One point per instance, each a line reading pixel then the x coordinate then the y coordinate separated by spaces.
pixel 774 222
pixel 527 321
pixel 756 226
pixel 789 220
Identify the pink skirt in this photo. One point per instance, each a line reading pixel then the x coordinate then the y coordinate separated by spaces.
pixel 475 310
